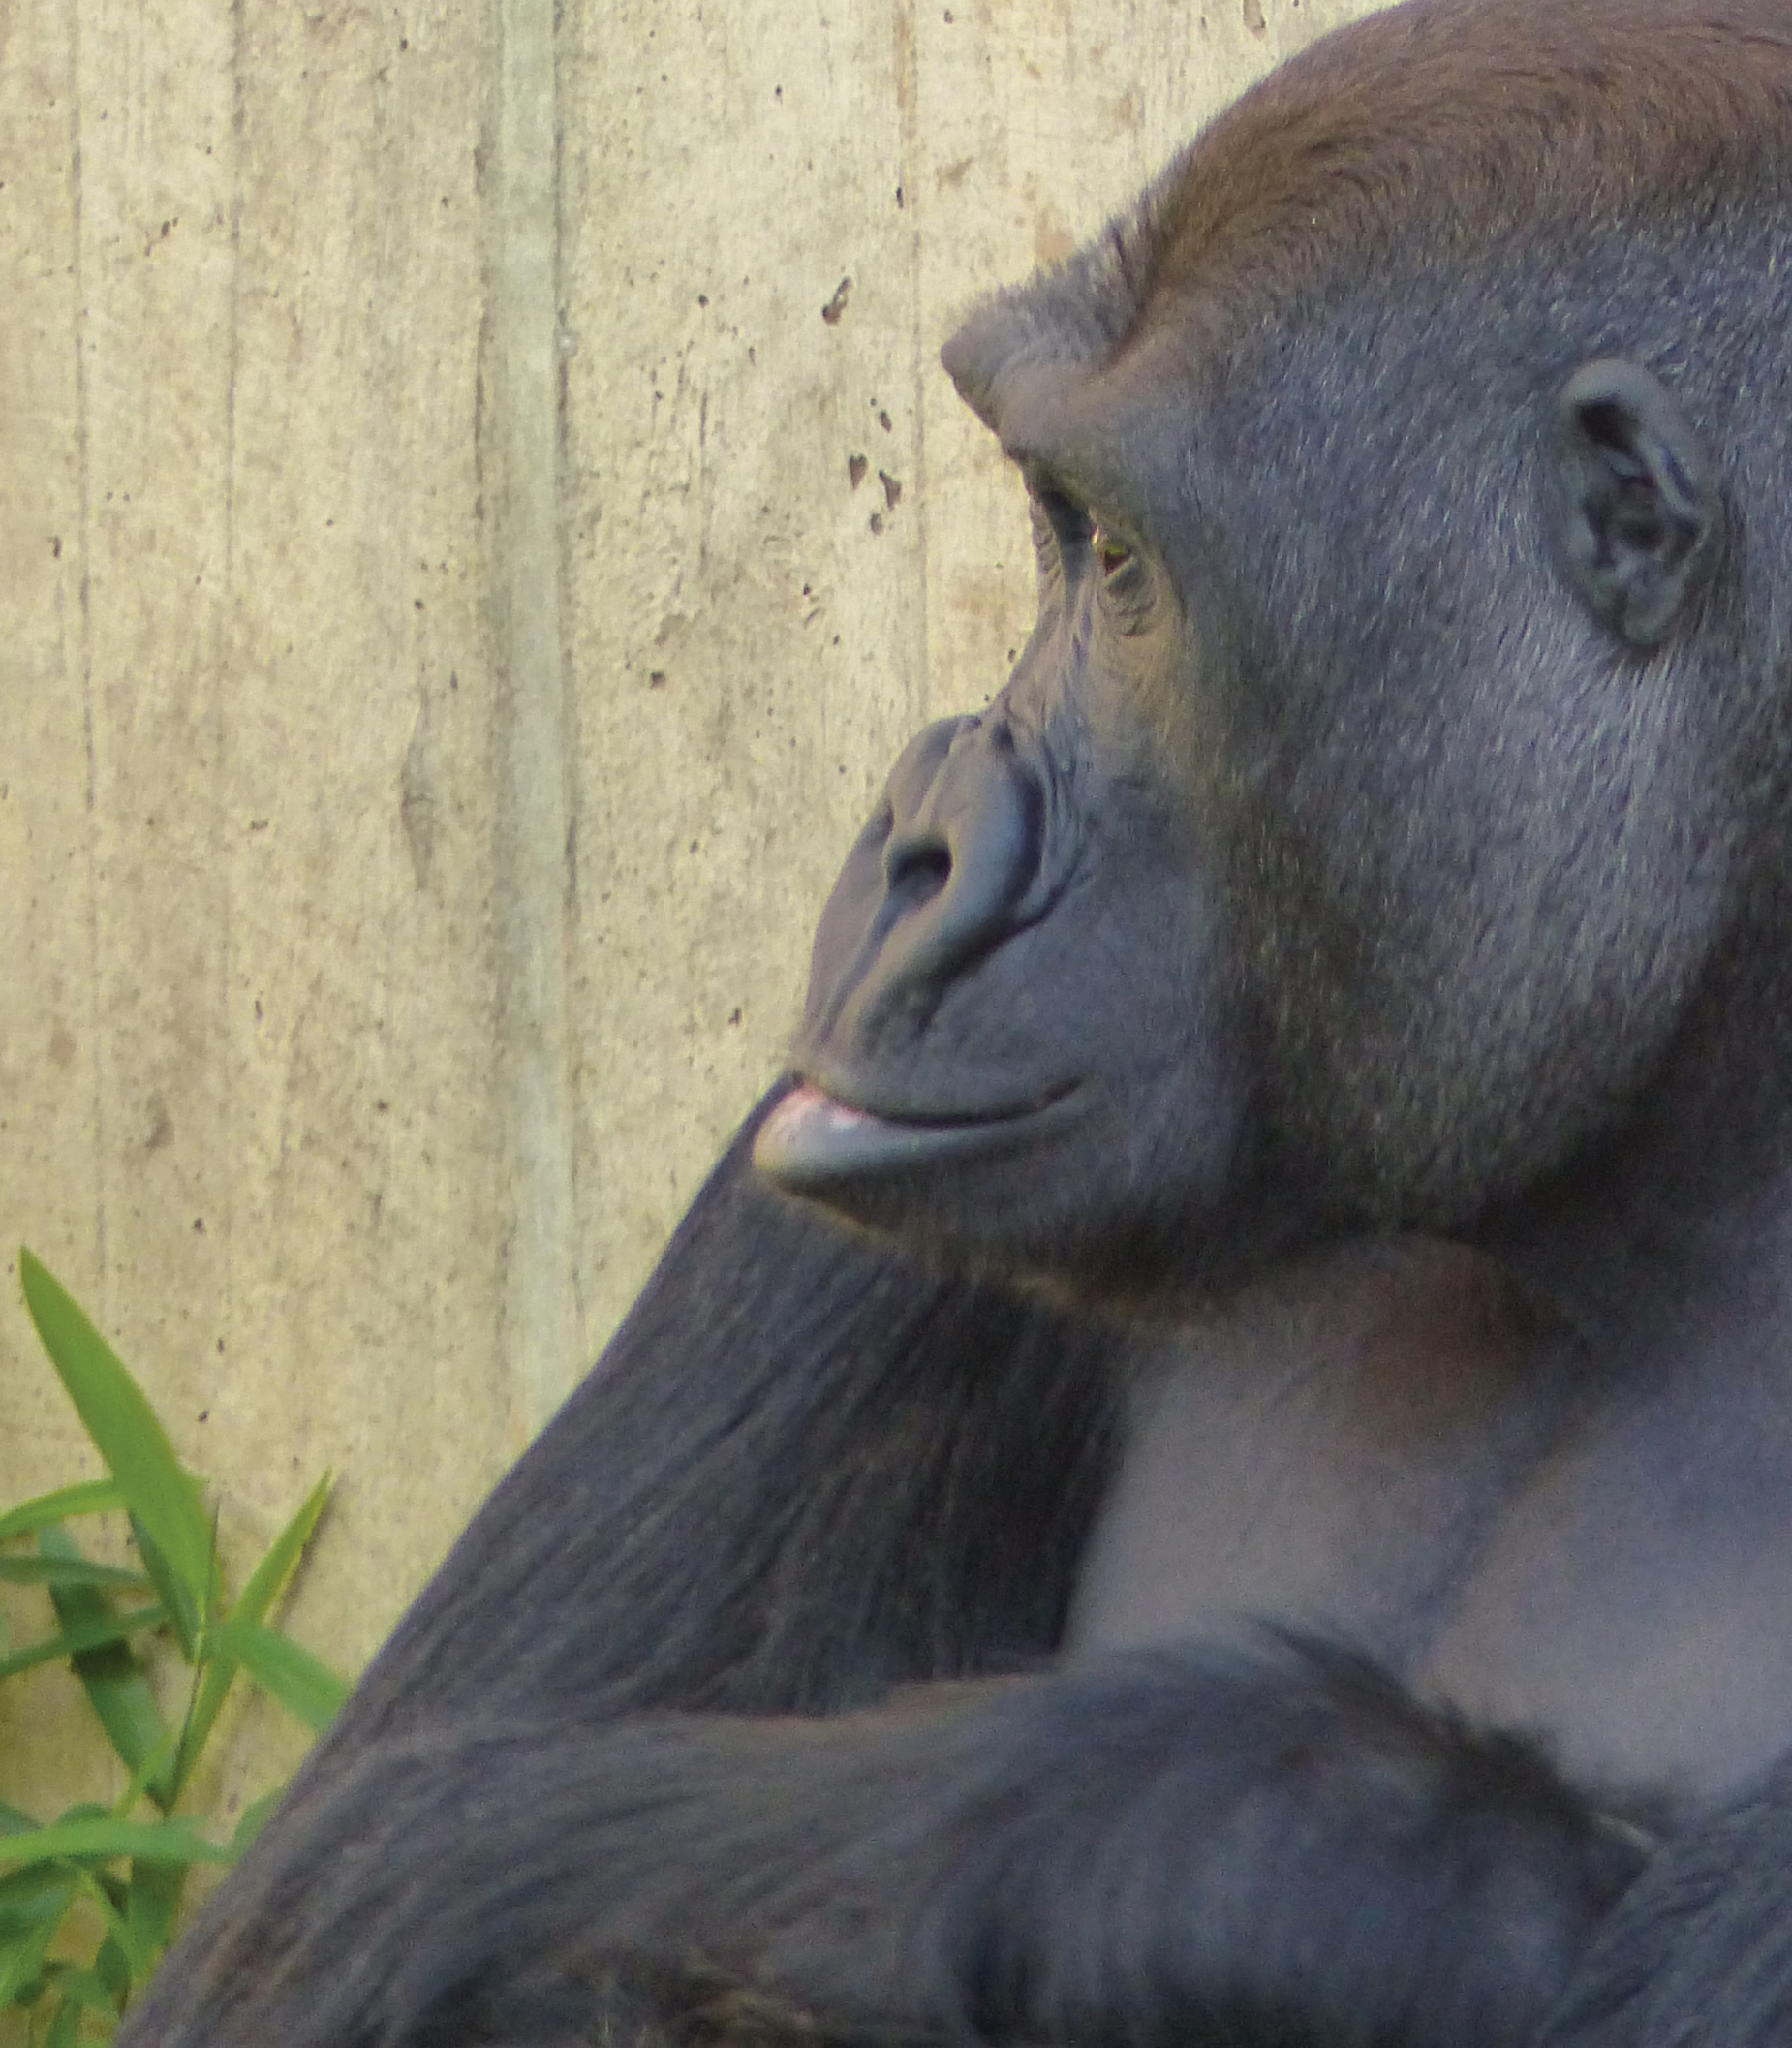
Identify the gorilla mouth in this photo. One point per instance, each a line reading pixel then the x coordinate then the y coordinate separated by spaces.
pixel 813 1140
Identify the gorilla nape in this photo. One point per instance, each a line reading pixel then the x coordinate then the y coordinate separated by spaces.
pixel 1387 829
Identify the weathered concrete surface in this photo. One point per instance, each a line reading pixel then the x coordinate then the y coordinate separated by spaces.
pixel 478 512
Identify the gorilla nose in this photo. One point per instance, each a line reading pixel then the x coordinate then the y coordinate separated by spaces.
pixel 966 818
pixel 919 855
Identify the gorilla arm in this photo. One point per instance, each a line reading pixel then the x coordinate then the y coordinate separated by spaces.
pixel 1175 1847
pixel 1702 1935
pixel 804 1471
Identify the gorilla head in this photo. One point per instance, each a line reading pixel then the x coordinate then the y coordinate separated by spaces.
pixel 1383 781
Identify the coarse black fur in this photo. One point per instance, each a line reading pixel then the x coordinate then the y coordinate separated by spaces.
pixel 759 1870
pixel 1047 1560
pixel 737 1537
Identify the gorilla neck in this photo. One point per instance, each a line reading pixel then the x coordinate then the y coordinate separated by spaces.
pixel 1685 1216
pixel 1587 1528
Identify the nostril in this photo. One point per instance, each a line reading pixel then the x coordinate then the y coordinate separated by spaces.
pixel 917 869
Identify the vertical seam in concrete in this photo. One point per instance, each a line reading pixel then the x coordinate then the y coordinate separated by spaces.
pixel 908 92
pixel 537 1320
pixel 222 604
pixel 76 214
pixel 566 485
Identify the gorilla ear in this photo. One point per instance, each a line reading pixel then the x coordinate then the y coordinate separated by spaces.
pixel 1641 516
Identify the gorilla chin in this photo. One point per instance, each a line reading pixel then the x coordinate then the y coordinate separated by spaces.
pixel 990 1191
pixel 1055 1197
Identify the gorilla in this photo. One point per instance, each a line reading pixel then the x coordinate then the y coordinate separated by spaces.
pixel 1052 1557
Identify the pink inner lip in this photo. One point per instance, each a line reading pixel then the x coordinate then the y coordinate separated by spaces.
pixel 813 1140
pixel 809 1099
pixel 807 1104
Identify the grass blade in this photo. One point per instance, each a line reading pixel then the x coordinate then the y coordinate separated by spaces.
pixel 112 1677
pixel 82 1987
pixel 175 1594
pixel 301 1683
pixel 65 2027
pixel 254 1818
pixel 28 1898
pixel 157 1487
pixel 91 1496
pixel 265 1586
pixel 89 1636
pixel 69 1571
pixel 283 1554
pixel 102 1839
pixel 155 1900
pixel 22 1964
pixel 138 1959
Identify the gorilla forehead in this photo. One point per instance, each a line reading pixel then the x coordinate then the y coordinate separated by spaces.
pixel 1431 131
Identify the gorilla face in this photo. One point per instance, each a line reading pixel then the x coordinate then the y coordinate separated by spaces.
pixel 1356 824
pixel 1024 1036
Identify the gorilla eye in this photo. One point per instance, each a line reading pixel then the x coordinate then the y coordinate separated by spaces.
pixel 1111 556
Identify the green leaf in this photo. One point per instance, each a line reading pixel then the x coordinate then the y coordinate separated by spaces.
pixel 254 1818
pixel 112 1678
pixel 21 1963
pixel 153 1770
pixel 183 1610
pixel 113 1967
pixel 13 1820
pixel 84 1987
pixel 154 1901
pixel 139 1961
pixel 283 1554
pixel 71 1642
pixel 92 1497
pixel 219 1669
pixel 64 2028
pixel 157 1487
pixel 27 1897
pixel 301 1683
pixel 156 1841
pixel 69 1571
pixel 265 1586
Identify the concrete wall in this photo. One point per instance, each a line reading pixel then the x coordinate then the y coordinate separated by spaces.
pixel 479 509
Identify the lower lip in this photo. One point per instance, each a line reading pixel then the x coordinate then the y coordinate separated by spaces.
pixel 811 1140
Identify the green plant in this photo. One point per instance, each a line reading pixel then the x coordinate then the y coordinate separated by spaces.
pixel 88 1901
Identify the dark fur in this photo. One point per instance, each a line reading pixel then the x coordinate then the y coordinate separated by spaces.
pixel 763 1870
pixel 1403 846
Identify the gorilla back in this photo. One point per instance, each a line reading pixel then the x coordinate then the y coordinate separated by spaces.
pixel 1387 831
